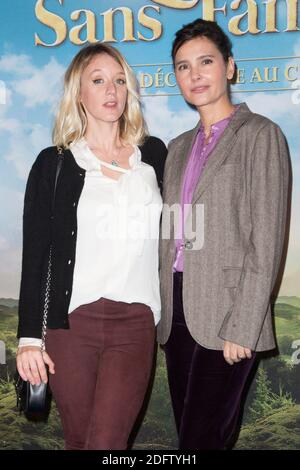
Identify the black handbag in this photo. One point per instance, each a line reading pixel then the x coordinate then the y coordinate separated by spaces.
pixel 35 400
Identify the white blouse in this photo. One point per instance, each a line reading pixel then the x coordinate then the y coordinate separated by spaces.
pixel 117 234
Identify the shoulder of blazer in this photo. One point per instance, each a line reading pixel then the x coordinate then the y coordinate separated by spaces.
pixel 256 122
pixel 249 122
pixel 187 135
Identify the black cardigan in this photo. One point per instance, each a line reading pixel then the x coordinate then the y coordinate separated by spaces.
pixel 38 231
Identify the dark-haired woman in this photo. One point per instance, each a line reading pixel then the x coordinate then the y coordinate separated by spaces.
pixel 229 176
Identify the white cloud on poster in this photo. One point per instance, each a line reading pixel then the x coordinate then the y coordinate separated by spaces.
pixel 36 85
pixel 23 139
pixel 278 107
pixel 26 86
pixel 43 86
pixel 3 243
pixel 5 98
pixel 164 122
pixel 24 142
pixel 17 64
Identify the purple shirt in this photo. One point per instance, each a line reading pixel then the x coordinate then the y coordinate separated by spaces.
pixel 197 160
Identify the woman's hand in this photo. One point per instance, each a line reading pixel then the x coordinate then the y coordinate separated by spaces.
pixel 31 364
pixel 235 353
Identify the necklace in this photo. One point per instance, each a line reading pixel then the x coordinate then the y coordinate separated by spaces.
pixel 114 161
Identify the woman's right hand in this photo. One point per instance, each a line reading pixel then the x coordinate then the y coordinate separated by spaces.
pixel 31 364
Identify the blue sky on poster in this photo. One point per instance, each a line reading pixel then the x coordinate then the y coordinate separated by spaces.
pixel 33 82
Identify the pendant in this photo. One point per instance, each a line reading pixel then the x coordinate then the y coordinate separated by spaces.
pixel 114 163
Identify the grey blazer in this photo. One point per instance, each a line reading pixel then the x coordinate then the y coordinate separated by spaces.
pixel 244 190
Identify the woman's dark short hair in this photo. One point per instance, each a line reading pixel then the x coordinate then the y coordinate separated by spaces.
pixel 203 28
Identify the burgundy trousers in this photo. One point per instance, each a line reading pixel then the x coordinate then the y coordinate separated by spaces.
pixel 206 391
pixel 102 369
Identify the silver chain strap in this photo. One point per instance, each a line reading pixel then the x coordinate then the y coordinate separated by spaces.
pixel 47 301
pixel 48 280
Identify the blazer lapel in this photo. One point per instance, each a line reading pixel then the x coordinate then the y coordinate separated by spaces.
pixel 215 159
pixel 221 150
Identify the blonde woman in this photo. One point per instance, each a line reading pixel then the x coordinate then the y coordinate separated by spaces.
pixel 104 296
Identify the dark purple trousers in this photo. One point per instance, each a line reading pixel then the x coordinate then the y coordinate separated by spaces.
pixel 205 390
pixel 102 369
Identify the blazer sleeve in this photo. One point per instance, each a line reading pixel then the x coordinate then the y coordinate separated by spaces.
pixel 36 244
pixel 268 200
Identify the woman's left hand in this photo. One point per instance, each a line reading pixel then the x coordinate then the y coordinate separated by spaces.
pixel 235 353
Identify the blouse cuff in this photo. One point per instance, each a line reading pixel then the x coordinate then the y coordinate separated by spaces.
pixel 30 342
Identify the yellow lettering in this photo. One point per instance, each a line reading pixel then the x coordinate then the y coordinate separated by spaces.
pixel 240 76
pixel 89 25
pixel 291 69
pixel 167 79
pixel 52 21
pixel 271 17
pixel 109 24
pixel 154 25
pixel 274 77
pixel 178 4
pixel 146 80
pixel 209 10
pixel 159 78
pixel 256 76
pixel 251 13
pixel 292 15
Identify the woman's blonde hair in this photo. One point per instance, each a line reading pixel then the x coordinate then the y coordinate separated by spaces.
pixel 71 121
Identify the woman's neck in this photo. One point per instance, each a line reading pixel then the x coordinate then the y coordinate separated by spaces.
pixel 104 136
pixel 211 114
